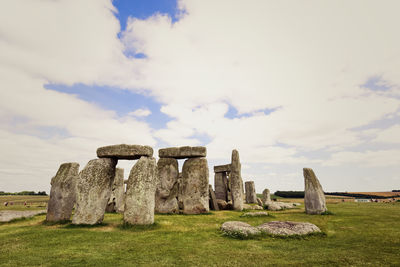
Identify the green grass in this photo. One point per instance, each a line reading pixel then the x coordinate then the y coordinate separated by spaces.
pixel 357 234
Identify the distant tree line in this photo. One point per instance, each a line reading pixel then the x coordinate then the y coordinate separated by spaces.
pixel 395 190
pixel 24 193
pixel 300 194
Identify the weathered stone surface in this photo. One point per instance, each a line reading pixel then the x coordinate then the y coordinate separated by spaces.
pixel 255 214
pixel 195 186
pixel 93 189
pixel 259 202
pixel 286 228
pixel 266 198
pixel 273 206
pixel 222 204
pixel 183 152
pixel 124 151
pixel 252 207
pixel 212 199
pixel 236 181
pixel 116 203
pixel 180 191
pixel 239 229
pixel 221 185
pixel 62 193
pixel 314 198
pixel 140 192
pixel 222 168
pixel 167 188
pixel 251 196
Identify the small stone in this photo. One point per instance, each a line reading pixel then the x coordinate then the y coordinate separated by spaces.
pixel 116 202
pixel 259 202
pixel 195 186
pixel 266 198
pixel 252 207
pixel 62 194
pixel 222 204
pixel 167 189
pixel 222 168
pixel 239 229
pixel 251 196
pixel 221 185
pixel 93 190
pixel 273 206
pixel 124 151
pixel 212 199
pixel 183 152
pixel 255 214
pixel 140 192
pixel 285 228
pixel 314 197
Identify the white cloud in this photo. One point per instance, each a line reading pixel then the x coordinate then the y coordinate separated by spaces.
pixel 389 135
pixel 141 112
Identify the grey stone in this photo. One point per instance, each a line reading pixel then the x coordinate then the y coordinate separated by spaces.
pixel 222 168
pixel 116 203
pixel 259 202
pixel 124 151
pixel 222 204
pixel 180 192
pixel 140 192
pixel 236 182
pixel 273 206
pixel 167 188
pixel 314 198
pixel 255 214
pixel 252 207
pixel 221 185
pixel 239 229
pixel 62 193
pixel 266 197
pixel 93 190
pixel 251 196
pixel 183 152
pixel 285 228
pixel 212 199
pixel 195 186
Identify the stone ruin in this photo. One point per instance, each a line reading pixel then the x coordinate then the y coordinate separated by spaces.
pixel 188 191
pixel 228 184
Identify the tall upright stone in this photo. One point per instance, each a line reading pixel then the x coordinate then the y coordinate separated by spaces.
pixel 251 196
pixel 116 202
pixel 93 190
pixel 314 198
pixel 140 192
pixel 180 191
pixel 167 187
pixel 195 186
pixel 212 199
pixel 266 197
pixel 236 182
pixel 62 194
pixel 221 185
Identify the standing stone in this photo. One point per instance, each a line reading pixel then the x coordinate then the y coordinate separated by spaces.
pixel 314 198
pixel 167 188
pixel 93 190
pixel 116 201
pixel 140 192
pixel 251 196
pixel 195 186
pixel 221 185
pixel 236 182
pixel 266 198
pixel 212 199
pixel 62 194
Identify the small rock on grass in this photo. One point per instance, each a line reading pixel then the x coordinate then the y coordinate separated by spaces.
pixel 255 214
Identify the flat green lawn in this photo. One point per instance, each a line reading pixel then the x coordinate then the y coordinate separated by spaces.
pixel 357 234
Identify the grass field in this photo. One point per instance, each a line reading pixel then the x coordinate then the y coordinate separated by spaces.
pixel 357 234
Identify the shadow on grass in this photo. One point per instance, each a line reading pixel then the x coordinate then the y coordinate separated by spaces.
pixel 263 236
pixel 78 226
pixel 63 222
pixel 138 228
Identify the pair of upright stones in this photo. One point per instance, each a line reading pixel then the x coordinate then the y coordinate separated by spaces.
pixel 230 189
pixel 188 191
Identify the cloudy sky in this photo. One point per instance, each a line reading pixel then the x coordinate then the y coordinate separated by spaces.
pixel 290 84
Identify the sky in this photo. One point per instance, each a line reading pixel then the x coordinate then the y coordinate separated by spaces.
pixel 290 84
